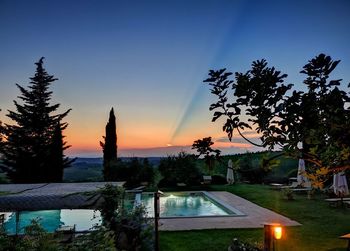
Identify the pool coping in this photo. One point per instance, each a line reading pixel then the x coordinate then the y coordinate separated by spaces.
pixel 236 212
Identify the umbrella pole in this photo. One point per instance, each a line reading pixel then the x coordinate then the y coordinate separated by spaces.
pixel 17 222
pixel 341 199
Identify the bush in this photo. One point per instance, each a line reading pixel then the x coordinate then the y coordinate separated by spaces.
pixel 133 172
pixel 99 239
pixel 131 229
pixel 275 179
pixel 292 173
pixel 288 193
pixel 255 168
pixel 35 239
pixel 254 175
pixel 179 169
pixel 218 180
pixel 238 245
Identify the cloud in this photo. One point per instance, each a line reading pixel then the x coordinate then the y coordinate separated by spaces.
pixel 154 151
pixel 251 135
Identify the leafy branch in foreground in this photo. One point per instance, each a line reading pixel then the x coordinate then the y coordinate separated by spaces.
pixel 314 125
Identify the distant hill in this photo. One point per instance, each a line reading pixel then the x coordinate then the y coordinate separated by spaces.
pixel 90 169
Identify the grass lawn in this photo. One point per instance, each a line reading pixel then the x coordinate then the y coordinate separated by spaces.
pixel 321 224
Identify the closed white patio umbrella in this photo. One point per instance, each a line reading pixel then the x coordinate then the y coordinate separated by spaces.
pixel 302 180
pixel 340 185
pixel 229 176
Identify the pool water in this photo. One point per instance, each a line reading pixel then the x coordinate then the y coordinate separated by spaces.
pixel 84 219
pixel 196 204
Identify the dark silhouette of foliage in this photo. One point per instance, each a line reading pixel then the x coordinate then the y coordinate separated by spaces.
pixel 203 147
pixel 56 155
pixel 318 118
pixel 1 135
pixel 109 146
pixel 131 229
pixel 35 239
pixel 179 169
pixel 28 150
pixel 134 172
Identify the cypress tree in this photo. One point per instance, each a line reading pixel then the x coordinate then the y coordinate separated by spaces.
pixel 109 146
pixel 28 151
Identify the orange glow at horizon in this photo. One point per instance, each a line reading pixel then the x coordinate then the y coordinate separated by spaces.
pixel 232 144
pixel 85 136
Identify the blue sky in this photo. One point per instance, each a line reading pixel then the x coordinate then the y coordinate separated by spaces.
pixel 148 59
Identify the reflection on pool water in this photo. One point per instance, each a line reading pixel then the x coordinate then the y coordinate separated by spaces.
pixel 84 219
pixel 196 204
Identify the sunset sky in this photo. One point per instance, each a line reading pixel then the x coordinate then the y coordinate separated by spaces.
pixel 147 59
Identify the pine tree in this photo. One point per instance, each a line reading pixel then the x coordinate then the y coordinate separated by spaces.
pixel 1 139
pixel 109 147
pixel 1 132
pixel 28 151
pixel 57 157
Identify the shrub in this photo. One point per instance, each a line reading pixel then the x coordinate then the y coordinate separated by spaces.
pixel 180 169
pixel 99 239
pixel 255 168
pixel 237 245
pixel 288 193
pixel 218 180
pixel 275 179
pixel 131 229
pixel 35 239
pixel 133 172
pixel 292 173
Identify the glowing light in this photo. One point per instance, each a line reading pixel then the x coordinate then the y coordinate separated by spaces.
pixel 277 232
pixel 169 144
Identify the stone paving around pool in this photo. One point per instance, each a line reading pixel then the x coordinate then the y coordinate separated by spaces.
pixel 255 216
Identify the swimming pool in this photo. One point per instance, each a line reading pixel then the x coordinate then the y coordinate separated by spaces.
pixel 172 205
pixel 83 219
pixel 188 204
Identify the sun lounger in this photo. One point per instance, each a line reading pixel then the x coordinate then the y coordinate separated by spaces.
pixel 293 185
pixel 347 203
pixel 303 189
pixel 207 179
pixel 335 202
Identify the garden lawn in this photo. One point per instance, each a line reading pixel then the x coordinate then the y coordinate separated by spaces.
pixel 321 224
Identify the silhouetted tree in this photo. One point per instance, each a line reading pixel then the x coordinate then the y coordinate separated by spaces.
pixel 203 147
pixel 318 119
pixel 57 157
pixel 28 152
pixel 181 168
pixel 1 142
pixel 109 147
pixel 1 134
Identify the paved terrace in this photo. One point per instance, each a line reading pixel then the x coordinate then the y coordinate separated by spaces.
pixel 49 195
pixel 255 217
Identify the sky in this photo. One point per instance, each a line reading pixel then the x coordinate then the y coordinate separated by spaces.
pixel 148 60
